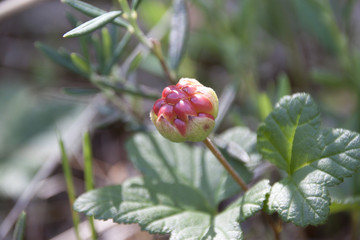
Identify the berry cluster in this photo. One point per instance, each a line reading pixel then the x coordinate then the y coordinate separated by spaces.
pixel 183 105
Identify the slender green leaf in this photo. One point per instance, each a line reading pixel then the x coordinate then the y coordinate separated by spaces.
pixel 347 204
pixel 96 41
pixel 283 86
pixel 106 43
pixel 135 4
pixel 314 159
pixel 315 19
pixel 81 63
pixel 80 91
pixel 226 99
pixel 60 57
pixel 117 52
pixel 69 185
pixel 264 105
pixel 93 24
pixel 20 227
pixel 129 90
pixel 88 169
pixel 327 78
pixel 92 11
pixel 72 19
pixel 178 33
pixel 135 63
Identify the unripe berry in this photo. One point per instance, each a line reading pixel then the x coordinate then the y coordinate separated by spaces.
pixel 186 111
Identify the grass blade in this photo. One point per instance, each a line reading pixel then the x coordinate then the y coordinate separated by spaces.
pixel 20 227
pixel 70 186
pixel 88 173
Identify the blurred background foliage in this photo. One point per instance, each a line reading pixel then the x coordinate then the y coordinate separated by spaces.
pixel 252 52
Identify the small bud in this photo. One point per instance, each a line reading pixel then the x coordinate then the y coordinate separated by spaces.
pixel 186 111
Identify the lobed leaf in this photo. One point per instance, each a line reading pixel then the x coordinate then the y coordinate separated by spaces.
pixel 177 162
pixel 288 135
pixel 162 208
pixel 314 159
pixel 179 193
pixel 93 24
pixel 253 200
pixel 240 143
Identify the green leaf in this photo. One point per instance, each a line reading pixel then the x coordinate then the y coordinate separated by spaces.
pixel 119 49
pixel 179 193
pixel 93 24
pixel 20 227
pixel 69 185
pixel 135 63
pixel 178 33
pixel 264 105
pixel 176 162
pixel 124 88
pixel 347 204
pixel 240 143
pixel 135 4
pixel 81 63
pixel 283 86
pixel 253 200
pixel 314 159
pixel 289 134
pixel 328 78
pixel 92 11
pixel 80 91
pixel 106 43
pixel 60 57
pixel 174 208
pixel 314 18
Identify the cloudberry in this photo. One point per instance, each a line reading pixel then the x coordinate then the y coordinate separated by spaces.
pixel 186 111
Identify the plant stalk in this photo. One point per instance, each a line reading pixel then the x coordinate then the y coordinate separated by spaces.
pixel 70 187
pixel 152 44
pixel 156 48
pixel 225 163
pixel 239 181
